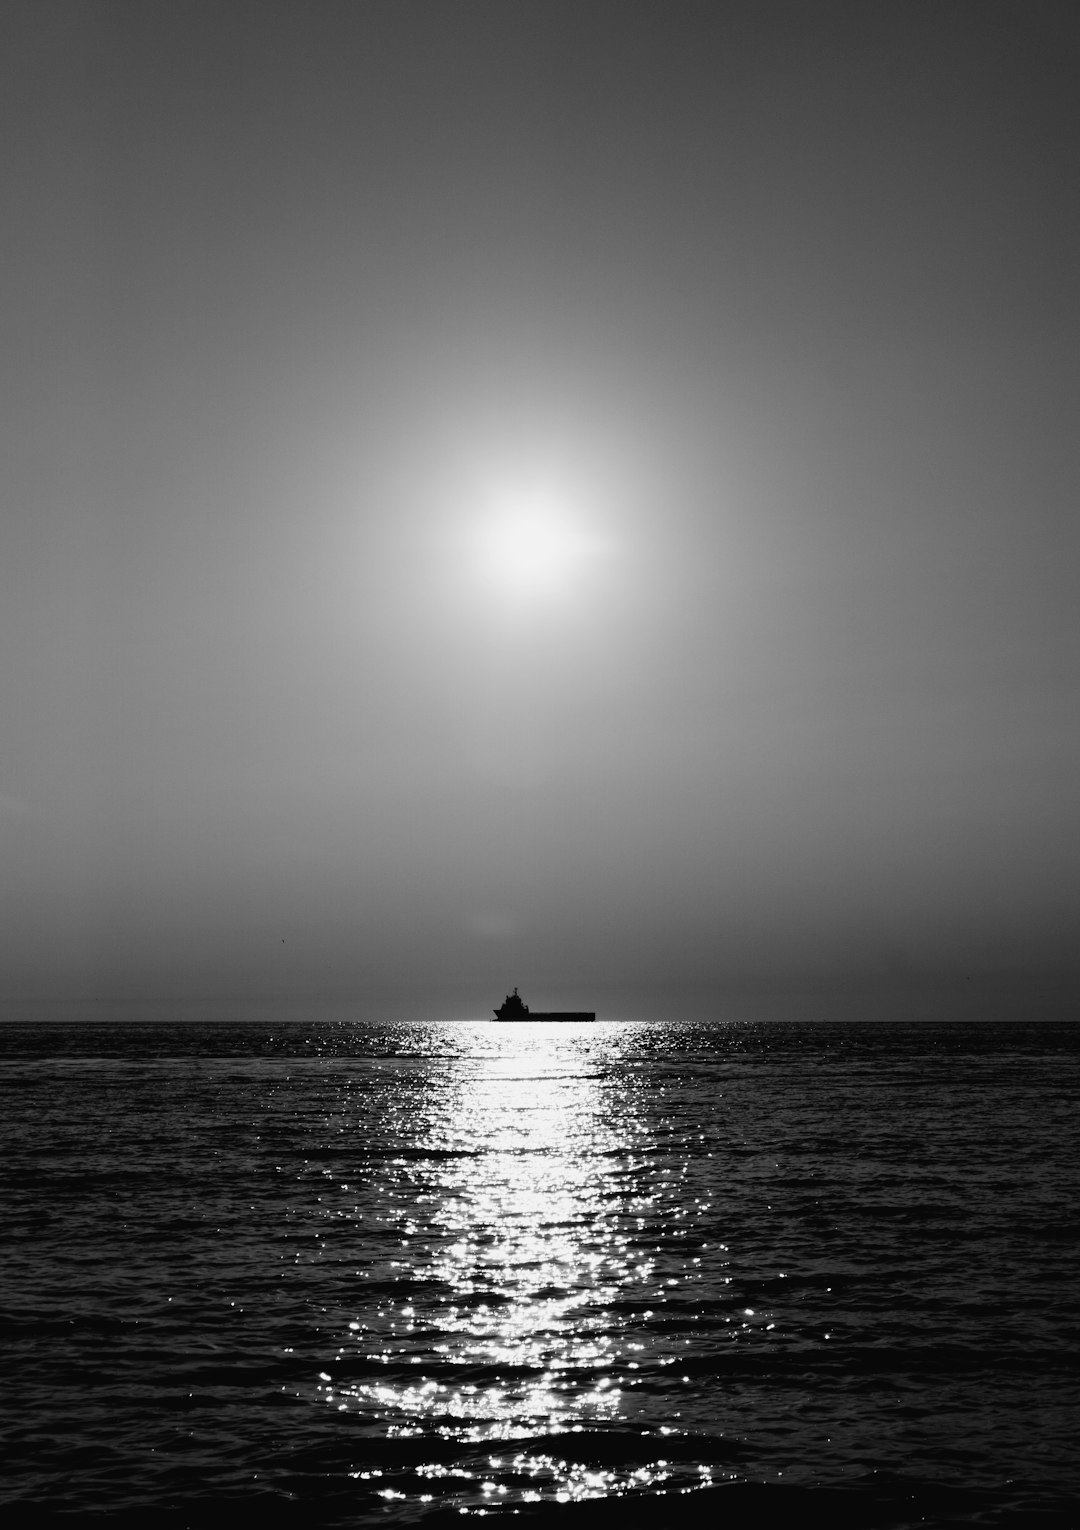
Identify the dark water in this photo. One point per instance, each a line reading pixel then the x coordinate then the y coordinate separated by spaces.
pixel 343 1274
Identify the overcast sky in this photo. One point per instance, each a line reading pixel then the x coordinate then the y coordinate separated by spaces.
pixel 754 325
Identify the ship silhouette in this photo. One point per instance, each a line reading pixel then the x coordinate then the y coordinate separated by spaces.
pixel 513 1007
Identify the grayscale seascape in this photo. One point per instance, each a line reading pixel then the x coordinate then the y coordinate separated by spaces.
pixel 571 503
pixel 348 1273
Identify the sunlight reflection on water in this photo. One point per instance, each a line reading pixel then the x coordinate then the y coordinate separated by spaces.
pixel 524 1231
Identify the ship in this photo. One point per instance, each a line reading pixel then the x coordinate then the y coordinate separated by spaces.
pixel 513 1007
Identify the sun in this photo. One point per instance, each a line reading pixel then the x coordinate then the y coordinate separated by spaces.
pixel 531 548
pixel 529 552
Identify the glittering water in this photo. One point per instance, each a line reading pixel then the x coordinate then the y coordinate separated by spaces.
pixel 387 1271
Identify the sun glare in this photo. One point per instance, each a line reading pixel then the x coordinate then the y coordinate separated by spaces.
pixel 531 550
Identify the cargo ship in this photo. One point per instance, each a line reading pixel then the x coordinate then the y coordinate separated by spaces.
pixel 513 1007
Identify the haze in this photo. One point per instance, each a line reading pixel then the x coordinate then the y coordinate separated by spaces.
pixel 756 324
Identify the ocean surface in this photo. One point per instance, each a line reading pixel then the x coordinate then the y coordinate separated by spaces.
pixel 338 1274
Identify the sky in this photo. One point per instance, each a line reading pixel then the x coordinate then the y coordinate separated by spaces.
pixel 580 495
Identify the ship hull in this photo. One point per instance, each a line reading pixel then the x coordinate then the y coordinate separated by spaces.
pixel 579 1015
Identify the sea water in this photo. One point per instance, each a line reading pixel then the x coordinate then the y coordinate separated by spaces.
pixel 356 1273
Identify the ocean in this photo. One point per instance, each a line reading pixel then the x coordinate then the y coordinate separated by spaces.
pixel 344 1274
